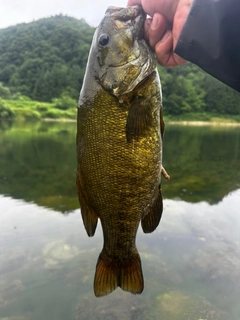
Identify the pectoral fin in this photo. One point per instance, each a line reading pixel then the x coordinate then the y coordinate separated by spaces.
pixel 151 220
pixel 139 119
pixel 89 217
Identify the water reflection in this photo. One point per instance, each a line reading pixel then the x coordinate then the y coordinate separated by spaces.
pixel 191 263
pixel 204 162
pixel 38 161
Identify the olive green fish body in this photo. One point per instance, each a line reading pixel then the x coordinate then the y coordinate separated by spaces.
pixel 119 147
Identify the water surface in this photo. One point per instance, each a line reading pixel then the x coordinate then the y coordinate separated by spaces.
pixel 191 263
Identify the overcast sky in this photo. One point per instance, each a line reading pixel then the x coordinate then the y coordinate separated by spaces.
pixel 18 11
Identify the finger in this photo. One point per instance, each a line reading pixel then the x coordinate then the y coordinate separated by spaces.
pixel 164 47
pixel 164 51
pixel 147 25
pixel 157 29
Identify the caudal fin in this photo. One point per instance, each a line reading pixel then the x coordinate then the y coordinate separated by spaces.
pixel 113 273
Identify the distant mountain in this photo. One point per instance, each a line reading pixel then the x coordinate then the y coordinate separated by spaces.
pixel 43 58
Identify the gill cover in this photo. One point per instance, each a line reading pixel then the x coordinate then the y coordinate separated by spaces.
pixel 122 57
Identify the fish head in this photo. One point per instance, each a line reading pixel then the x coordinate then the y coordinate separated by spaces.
pixel 120 58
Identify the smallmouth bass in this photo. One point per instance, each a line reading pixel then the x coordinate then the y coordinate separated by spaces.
pixel 119 146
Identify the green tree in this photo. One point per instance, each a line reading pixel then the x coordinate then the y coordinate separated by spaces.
pixel 4 92
pixel 41 59
pixel 220 98
pixel 5 112
pixel 182 91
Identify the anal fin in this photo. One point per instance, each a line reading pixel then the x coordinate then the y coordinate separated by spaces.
pixel 151 220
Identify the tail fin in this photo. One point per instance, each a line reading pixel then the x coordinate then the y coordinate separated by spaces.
pixel 113 273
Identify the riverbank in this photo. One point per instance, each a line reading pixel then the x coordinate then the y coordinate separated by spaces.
pixel 201 119
pixel 65 109
pixel 24 108
pixel 226 123
pixel 167 122
pixel 203 123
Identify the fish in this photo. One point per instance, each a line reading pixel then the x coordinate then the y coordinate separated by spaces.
pixel 119 146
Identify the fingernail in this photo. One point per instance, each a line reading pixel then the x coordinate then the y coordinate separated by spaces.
pixel 165 36
pixel 155 22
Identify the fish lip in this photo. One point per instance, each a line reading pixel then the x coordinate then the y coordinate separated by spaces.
pixel 125 14
pixel 133 15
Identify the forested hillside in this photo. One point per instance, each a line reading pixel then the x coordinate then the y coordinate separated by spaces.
pixel 46 59
pixel 188 89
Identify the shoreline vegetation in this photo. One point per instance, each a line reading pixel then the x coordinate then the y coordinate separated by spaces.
pixel 64 109
pixel 204 123
pixel 18 107
pixel 202 120
pixel 23 108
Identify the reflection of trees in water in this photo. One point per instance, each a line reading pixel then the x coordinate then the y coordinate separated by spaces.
pixel 38 161
pixel 5 125
pixel 38 164
pixel 203 162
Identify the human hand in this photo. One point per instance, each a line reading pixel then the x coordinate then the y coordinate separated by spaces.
pixel 163 29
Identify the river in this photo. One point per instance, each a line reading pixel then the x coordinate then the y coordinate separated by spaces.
pixel 191 263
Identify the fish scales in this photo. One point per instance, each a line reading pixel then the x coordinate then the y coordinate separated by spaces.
pixel 119 146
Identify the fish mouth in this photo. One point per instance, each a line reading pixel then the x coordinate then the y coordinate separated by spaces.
pixel 133 16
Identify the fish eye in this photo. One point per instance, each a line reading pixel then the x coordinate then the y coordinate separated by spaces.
pixel 103 40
